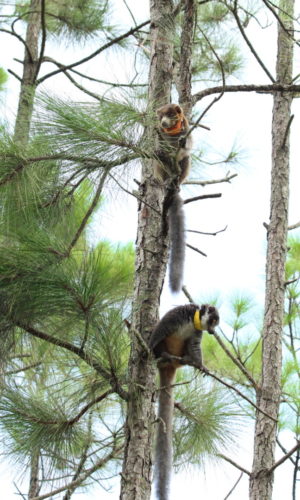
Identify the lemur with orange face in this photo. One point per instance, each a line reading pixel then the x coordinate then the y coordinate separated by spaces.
pixel 175 145
pixel 173 161
pixel 176 341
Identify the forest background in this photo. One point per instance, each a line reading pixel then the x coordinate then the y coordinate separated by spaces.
pixel 236 257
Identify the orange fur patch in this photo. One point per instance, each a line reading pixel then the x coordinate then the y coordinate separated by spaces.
pixel 175 129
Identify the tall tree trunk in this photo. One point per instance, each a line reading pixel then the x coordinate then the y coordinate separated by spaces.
pixel 34 485
pixel 261 481
pixel 30 69
pixel 151 261
pixel 21 135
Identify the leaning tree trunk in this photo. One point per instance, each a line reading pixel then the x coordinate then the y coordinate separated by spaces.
pixel 151 261
pixel 30 70
pixel 261 481
pixel 21 135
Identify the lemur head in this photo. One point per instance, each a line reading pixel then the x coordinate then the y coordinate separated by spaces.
pixel 209 318
pixel 170 117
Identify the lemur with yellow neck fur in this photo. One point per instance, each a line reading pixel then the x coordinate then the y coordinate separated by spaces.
pixel 176 341
pixel 173 162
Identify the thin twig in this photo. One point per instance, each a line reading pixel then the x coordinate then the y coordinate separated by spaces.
pixel 14 74
pixel 285 457
pixel 98 51
pixel 236 362
pixel 216 99
pixel 24 369
pixel 294 226
pixel 196 250
pixel 134 194
pixel 202 197
pixel 100 463
pixel 234 486
pixel 205 233
pixel 242 31
pixel 78 352
pixel 187 294
pixel 88 213
pixel 287 131
pixel 233 388
pixel 228 178
pixel 230 461
pixel 271 88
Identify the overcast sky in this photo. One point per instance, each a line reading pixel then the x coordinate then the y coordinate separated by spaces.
pixel 235 259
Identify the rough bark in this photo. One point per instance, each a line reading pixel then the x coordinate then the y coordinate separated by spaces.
pixel 151 261
pixel 186 53
pixel 34 486
pixel 30 69
pixel 261 481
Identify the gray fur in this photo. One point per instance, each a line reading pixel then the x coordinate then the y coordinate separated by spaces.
pixel 164 451
pixel 179 323
pixel 177 237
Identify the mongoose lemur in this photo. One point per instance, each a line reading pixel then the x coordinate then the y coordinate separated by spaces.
pixel 175 341
pixel 173 162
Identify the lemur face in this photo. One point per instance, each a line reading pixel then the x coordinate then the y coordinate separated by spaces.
pixel 209 318
pixel 169 115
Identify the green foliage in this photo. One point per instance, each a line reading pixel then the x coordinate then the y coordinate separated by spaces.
pixel 203 425
pixel 292 267
pixel 3 78
pixel 215 48
pixel 73 19
pixel 108 130
pixel 37 421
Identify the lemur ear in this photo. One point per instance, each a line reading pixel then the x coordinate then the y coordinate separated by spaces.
pixel 178 109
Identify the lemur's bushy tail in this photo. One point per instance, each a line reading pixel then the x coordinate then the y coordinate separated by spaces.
pixel 163 453
pixel 177 237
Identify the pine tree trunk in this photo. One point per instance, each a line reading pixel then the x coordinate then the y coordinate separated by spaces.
pixel 30 67
pixel 34 486
pixel 151 261
pixel 261 482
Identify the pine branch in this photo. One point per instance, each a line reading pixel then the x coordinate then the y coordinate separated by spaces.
pixel 271 88
pixel 205 371
pixel 294 226
pixel 88 213
pixel 76 84
pixel 24 369
pixel 202 197
pixel 233 388
pixel 98 51
pixel 13 33
pixel 285 457
pixel 196 250
pixel 236 362
pixel 206 233
pixel 75 419
pixel 78 352
pixel 133 194
pixel 14 74
pixel 228 178
pixel 271 6
pixel 230 461
pixel 234 11
pixel 88 161
pixel 234 486
pixel 100 463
